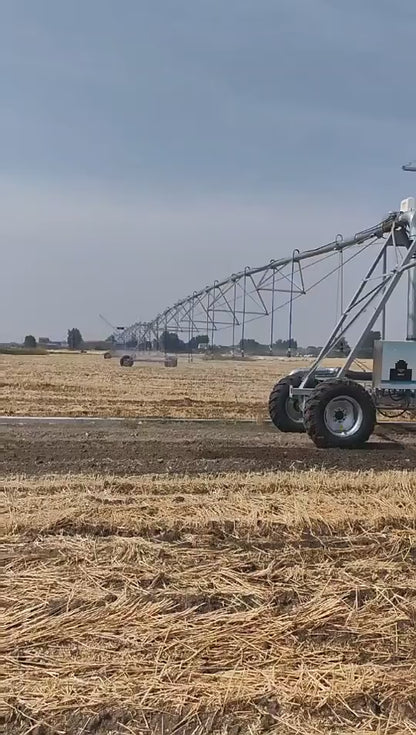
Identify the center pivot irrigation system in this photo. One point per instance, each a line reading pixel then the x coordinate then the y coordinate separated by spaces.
pixel 338 406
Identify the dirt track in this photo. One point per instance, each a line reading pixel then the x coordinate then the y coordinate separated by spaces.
pixel 130 447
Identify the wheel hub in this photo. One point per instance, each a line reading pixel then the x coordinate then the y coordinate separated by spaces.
pixel 343 416
pixel 293 410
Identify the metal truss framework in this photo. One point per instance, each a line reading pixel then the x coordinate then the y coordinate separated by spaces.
pixel 254 293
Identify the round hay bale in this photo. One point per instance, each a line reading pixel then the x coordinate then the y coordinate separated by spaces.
pixel 126 361
pixel 171 361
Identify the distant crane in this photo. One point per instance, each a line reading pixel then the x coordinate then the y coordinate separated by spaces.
pixel 108 323
pixel 108 355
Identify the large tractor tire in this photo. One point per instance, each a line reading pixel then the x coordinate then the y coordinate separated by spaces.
pixel 284 411
pixel 340 413
pixel 126 361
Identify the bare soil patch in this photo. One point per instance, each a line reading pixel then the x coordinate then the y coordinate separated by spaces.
pixel 133 447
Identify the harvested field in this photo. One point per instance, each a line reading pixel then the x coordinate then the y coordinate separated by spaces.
pixel 238 603
pixel 86 385
pixel 176 578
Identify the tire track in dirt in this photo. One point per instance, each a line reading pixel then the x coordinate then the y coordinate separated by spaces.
pixel 133 447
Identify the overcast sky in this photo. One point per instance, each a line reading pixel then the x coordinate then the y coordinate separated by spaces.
pixel 151 146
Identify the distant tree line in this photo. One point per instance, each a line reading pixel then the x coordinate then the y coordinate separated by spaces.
pixel 74 338
pixel 30 342
pixel 365 351
pixel 280 347
pixel 171 342
pixel 75 341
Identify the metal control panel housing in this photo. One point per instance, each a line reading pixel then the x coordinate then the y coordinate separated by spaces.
pixel 394 365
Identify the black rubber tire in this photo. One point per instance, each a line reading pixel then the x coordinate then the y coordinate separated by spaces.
pixel 277 405
pixel 362 375
pixel 315 406
pixel 126 361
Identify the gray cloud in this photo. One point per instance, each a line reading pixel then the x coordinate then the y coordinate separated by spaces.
pixel 150 147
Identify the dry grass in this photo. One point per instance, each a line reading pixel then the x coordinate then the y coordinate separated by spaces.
pixel 87 385
pixel 281 603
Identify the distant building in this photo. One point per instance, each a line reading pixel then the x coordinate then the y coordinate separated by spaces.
pixel 53 345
